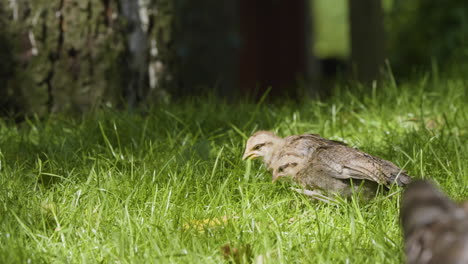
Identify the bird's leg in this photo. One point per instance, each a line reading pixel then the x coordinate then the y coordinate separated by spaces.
pixel 314 194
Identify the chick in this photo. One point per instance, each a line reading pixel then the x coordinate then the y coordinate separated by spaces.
pixel 340 170
pixel 263 144
pixel 435 229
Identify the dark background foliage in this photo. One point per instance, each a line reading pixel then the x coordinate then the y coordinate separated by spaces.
pixel 425 32
pixel 74 56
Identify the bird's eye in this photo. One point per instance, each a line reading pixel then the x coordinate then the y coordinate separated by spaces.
pixel 281 168
pixel 258 146
pixel 294 164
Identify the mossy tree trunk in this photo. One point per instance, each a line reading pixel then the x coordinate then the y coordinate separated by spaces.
pixel 136 67
pixel 66 53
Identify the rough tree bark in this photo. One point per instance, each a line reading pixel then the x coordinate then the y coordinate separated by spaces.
pixel 136 79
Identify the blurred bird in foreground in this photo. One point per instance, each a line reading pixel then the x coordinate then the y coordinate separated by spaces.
pixel 435 228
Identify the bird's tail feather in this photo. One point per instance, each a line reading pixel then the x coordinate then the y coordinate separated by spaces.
pixel 400 178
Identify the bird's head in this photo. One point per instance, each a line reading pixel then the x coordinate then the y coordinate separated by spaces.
pixel 262 144
pixel 287 165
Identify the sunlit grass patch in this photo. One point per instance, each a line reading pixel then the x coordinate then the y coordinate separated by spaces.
pixel 170 186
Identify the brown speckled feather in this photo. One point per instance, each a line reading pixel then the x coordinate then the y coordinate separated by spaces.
pixel 343 162
pixel 305 144
pixel 339 169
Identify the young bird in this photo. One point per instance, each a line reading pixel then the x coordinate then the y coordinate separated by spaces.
pixel 340 170
pixel 270 147
pixel 263 144
pixel 435 229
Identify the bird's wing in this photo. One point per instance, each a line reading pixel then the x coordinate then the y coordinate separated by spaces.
pixel 306 144
pixel 323 140
pixel 301 144
pixel 344 163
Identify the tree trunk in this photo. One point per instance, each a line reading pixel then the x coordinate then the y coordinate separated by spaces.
pixel 367 38
pixel 206 41
pixel 136 81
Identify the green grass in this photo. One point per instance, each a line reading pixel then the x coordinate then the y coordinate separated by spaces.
pixel 114 187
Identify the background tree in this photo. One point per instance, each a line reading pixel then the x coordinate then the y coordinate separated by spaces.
pixel 74 55
pixel 367 38
pixel 136 59
pixel 10 99
pixel 206 43
pixel 66 54
pixel 423 34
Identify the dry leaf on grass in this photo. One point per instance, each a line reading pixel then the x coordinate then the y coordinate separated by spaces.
pixel 237 255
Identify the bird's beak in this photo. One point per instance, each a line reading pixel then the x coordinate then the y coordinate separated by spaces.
pixel 249 155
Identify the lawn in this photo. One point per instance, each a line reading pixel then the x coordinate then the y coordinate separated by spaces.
pixel 169 186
